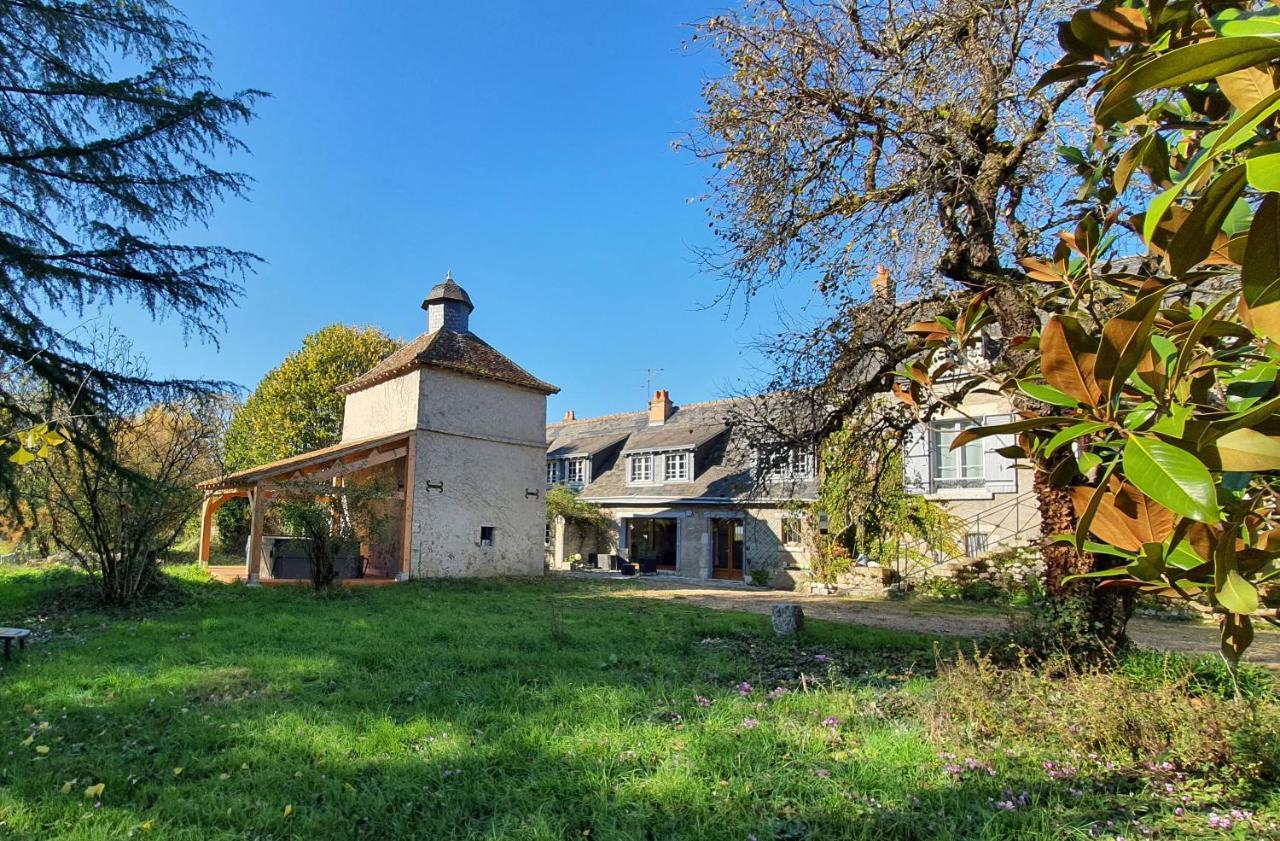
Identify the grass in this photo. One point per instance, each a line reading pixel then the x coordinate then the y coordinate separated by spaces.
pixel 495 709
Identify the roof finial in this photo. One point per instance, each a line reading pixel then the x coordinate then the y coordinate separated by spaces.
pixel 448 275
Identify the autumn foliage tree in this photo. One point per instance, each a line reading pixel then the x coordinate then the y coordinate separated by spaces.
pixel 296 407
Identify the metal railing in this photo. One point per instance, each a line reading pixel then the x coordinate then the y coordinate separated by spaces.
pixel 1005 524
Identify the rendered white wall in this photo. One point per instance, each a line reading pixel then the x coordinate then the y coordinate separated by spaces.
pixel 382 409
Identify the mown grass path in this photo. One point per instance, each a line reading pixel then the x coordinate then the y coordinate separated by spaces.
pixel 933 618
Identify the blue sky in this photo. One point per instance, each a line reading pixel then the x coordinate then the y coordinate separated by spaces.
pixel 525 146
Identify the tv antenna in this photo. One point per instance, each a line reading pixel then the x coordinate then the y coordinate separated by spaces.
pixel 649 374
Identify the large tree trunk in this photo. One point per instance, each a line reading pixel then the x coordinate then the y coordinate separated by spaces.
pixel 1089 619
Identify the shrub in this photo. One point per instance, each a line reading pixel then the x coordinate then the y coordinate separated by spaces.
pixel 1122 722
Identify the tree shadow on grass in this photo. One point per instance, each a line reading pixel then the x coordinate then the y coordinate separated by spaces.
pixel 457 710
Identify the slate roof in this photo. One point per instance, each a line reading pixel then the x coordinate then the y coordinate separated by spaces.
pixel 462 352
pixel 448 290
pixel 724 466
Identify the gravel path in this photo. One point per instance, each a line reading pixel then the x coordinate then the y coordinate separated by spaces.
pixel 929 617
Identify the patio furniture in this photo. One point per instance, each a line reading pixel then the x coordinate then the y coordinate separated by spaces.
pixel 626 568
pixel 11 634
pixel 649 566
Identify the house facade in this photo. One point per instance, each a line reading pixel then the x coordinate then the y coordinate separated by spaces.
pixel 683 490
pixel 990 492
pixel 455 431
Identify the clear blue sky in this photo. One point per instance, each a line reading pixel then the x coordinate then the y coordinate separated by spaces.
pixel 525 146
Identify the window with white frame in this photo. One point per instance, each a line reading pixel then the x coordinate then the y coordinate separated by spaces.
pixel 639 469
pixel 675 467
pixel 575 471
pixel 958 468
pixel 786 463
pixel 553 471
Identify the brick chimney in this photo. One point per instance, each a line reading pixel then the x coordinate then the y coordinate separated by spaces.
pixel 569 416
pixel 660 408
pixel 882 286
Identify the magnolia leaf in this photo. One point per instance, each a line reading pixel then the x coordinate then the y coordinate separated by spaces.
pixel 1260 274
pixel 1071 433
pixel 42 749
pixel 1125 518
pixel 1172 477
pixel 1247 451
pixel 973 433
pixel 1263 168
pixel 1067 359
pixel 1047 394
pixel 1187 65
pixel 1246 88
pixel 95 791
pixel 1194 239
pixel 1236 22
pixel 1087 461
pixel 1237 635
pixel 1123 339
pixel 288 810
pixel 1238 595
pixel 1101 28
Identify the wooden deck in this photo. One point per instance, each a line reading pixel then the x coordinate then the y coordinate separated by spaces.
pixel 236 574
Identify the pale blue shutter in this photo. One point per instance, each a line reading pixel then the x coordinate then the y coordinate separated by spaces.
pixel 915 460
pixel 998 472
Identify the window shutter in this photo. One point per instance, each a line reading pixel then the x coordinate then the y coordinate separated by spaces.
pixel 999 474
pixel 915 460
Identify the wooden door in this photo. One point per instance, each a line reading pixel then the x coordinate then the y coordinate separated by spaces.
pixel 726 555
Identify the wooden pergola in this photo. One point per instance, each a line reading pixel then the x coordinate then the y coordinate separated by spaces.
pixel 331 464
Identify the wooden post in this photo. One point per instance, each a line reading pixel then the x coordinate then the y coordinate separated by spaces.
pixel 406 540
pixel 253 556
pixel 206 530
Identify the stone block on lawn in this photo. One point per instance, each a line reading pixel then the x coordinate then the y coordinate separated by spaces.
pixel 788 619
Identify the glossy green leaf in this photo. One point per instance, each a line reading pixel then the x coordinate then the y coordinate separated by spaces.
pixel 1087 461
pixel 1194 63
pixel 1263 168
pixel 1237 22
pixel 1238 595
pixel 1071 433
pixel 1260 274
pixel 976 432
pixel 1172 477
pixel 1047 394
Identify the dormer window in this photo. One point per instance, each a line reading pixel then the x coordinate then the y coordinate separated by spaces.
pixel 554 467
pixel 786 463
pixel 676 467
pixel 575 471
pixel 640 470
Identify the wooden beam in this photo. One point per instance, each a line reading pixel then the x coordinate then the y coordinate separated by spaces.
pixel 344 468
pixel 406 540
pixel 212 502
pixel 253 556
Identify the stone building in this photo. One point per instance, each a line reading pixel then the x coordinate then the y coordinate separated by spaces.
pixel 456 428
pixel 684 490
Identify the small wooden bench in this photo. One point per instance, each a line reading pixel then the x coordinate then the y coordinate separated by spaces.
pixel 11 634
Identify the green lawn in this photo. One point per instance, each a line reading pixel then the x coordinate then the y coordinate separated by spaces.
pixel 492 710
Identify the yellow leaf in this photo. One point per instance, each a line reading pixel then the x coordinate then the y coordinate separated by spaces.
pixel 52 438
pixel 177 772
pixel 27 741
pixel 95 791
pixel 66 787
pixel 224 776
pixel 42 749
pixel 147 826
pixel 288 810
pixel 22 456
